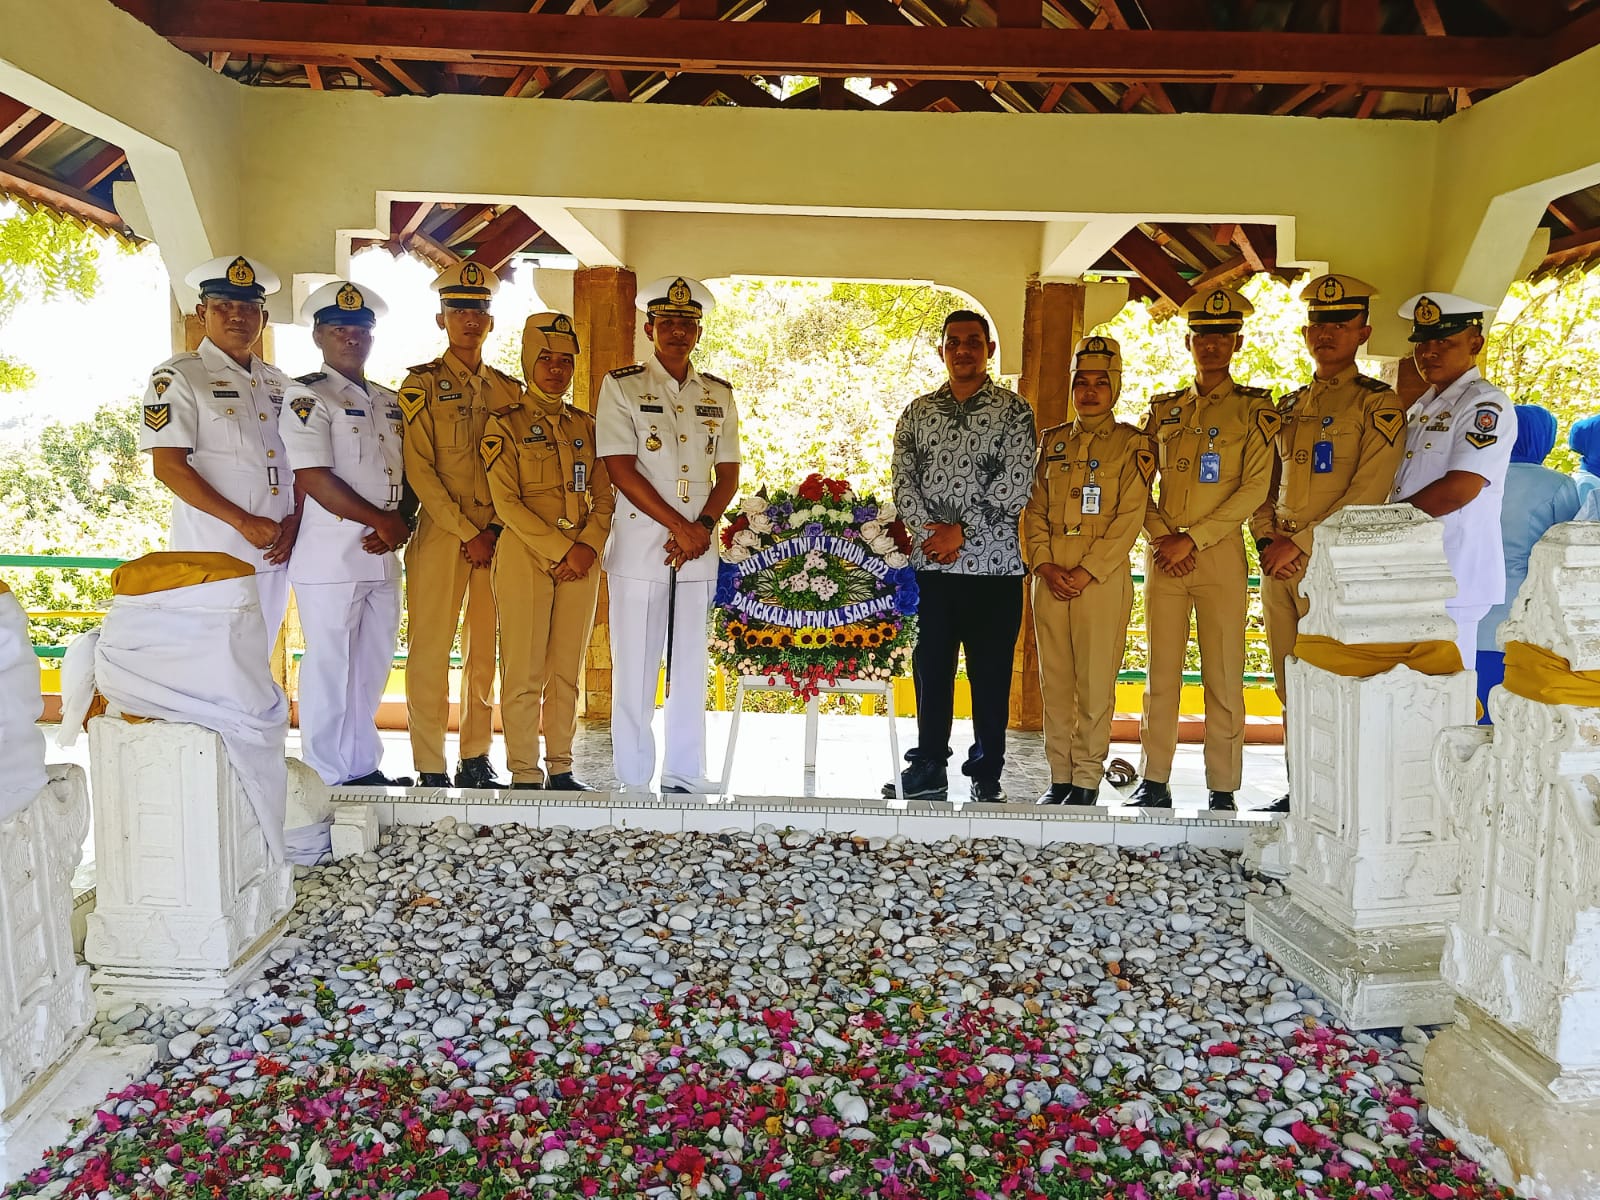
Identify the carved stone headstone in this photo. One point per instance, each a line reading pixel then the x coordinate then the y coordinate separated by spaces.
pixel 1517 1079
pixel 188 899
pixel 1371 856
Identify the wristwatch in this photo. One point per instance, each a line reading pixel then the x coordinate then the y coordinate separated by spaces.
pixel 707 520
pixel 1262 544
pixel 496 530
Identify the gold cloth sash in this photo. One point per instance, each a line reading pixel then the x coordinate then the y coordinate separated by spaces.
pixel 1545 677
pixel 1364 659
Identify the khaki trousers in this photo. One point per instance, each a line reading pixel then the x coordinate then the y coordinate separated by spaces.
pixel 437 578
pixel 1216 591
pixel 1283 606
pixel 1081 643
pixel 542 643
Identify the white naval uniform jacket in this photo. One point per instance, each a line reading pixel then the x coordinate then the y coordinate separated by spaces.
pixel 677 436
pixel 355 433
pixel 1470 426
pixel 227 418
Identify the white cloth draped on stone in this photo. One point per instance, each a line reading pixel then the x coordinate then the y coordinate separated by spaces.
pixel 22 773
pixel 196 654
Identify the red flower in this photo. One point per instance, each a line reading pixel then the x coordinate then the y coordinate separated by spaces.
pixel 686 1160
pixel 901 535
pixel 811 487
pixel 732 527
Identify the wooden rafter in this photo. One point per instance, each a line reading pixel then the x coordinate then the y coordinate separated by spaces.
pixel 1154 267
pixel 99 165
pixel 22 180
pixel 14 118
pixel 1428 16
pixel 368 73
pixel 1258 244
pixel 30 137
pixel 1562 211
pixel 292 28
pixel 503 237
pixel 1576 248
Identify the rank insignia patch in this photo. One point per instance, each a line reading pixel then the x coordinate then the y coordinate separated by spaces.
pixel 1481 440
pixel 1389 422
pixel 303 407
pixel 1486 419
pixel 156 416
pixel 411 401
pixel 161 383
pixel 489 447
pixel 1145 461
pixel 1269 422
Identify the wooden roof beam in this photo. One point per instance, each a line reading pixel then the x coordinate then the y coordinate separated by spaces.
pixel 14 117
pixel 97 167
pixel 1153 265
pixel 407 216
pixel 23 180
pixel 503 237
pixel 292 28
pixel 1576 248
pixel 1258 244
pixel 30 137
pixel 421 79
pixel 465 219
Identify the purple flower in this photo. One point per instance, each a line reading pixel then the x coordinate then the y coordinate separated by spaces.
pixel 814 529
pixel 865 512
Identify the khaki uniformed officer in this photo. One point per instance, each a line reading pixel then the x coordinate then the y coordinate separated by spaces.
pixel 1091 485
pixel 344 444
pixel 446 404
pixel 553 496
pixel 1339 443
pixel 1213 444
pixel 211 429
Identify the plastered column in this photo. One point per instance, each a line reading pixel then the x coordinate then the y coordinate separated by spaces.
pixel 1516 1081
pixel 188 899
pixel 45 1006
pixel 1371 853
pixel 1052 323
pixel 602 304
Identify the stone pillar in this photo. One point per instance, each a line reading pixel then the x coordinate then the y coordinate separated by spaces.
pixel 1516 1080
pixel 602 306
pixel 45 1005
pixel 1052 323
pixel 188 901
pixel 1371 851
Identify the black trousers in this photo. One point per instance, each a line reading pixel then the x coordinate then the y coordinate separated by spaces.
pixel 980 614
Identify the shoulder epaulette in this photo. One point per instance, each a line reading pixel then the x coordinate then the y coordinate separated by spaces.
pixel 1168 397
pixel 1294 395
pixel 1371 384
pixel 506 377
pixel 1255 393
pixel 427 366
pixel 314 377
pixel 1044 433
pixel 716 379
pixel 624 372
pixel 505 411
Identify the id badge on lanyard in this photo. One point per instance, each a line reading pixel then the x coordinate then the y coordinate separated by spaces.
pixel 1211 461
pixel 1091 492
pixel 1322 452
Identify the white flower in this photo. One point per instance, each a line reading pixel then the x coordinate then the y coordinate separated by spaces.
pixel 815 561
pixel 887 511
pixel 826 588
pixel 747 537
pixel 761 523
pixel 871 531
pixel 819 510
pixel 883 545
pixel 895 559
pixel 736 553
pixel 799 517
pixel 753 505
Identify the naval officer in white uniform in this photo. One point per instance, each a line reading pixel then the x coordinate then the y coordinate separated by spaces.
pixel 669 435
pixel 343 439
pixel 211 429
pixel 1459 435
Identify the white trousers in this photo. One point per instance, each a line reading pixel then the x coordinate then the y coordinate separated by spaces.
pixel 638 645
pixel 350 633
pixel 1466 620
pixel 273 588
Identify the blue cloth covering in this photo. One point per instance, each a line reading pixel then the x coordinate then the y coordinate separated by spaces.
pixel 1536 434
pixel 1585 442
pixel 1536 498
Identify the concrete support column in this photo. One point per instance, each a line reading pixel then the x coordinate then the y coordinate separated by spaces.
pixel 1516 1080
pixel 1372 853
pixel 602 306
pixel 1052 323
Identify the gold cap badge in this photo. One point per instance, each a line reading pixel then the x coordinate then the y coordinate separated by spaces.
pixel 241 273
pixel 471 274
pixel 350 298
pixel 1426 312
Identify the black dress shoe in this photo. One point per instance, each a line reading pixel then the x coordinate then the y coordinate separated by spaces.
pixel 476 773
pixel 434 779
pixel 1221 801
pixel 565 781
pixel 1280 805
pixel 922 780
pixel 378 779
pixel 987 791
pixel 1057 794
pixel 1084 797
pixel 527 787
pixel 1150 794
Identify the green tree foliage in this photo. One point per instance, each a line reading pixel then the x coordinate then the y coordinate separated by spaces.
pixel 41 256
pixel 82 489
pixel 822 372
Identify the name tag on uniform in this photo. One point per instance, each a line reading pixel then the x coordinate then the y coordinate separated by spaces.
pixel 393 414
pixel 1091 499
pixel 1322 458
pixel 355 412
pixel 707 410
pixel 1210 467
pixel 651 408
pixel 1055 458
pixel 225 395
pixel 1170 420
pixel 443 396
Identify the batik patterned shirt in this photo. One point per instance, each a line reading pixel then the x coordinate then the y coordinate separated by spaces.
pixel 966 462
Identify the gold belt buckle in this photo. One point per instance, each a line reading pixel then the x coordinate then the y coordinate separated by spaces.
pixel 683 490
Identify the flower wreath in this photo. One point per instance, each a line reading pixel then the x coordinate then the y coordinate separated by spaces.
pixel 815 586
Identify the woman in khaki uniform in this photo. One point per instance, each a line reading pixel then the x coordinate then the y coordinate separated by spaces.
pixel 1091 485
pixel 552 495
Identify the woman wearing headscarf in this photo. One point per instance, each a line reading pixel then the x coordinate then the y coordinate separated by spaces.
pixel 1536 498
pixel 1585 442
